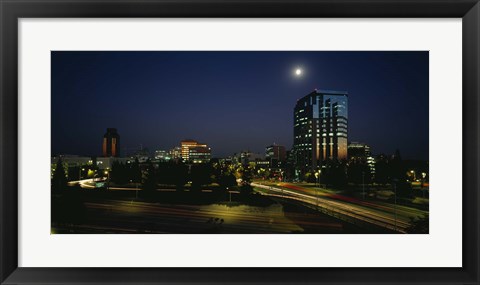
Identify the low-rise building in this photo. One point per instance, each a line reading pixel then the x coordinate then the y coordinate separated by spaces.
pixel 199 154
pixel 193 151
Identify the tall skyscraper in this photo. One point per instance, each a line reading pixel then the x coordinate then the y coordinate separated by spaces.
pixel 320 129
pixel 111 143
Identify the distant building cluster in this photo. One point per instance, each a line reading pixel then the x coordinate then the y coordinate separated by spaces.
pixel 188 151
pixel 79 167
pixel 320 137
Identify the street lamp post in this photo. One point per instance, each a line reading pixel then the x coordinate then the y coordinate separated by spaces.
pixel 414 175
pixel 108 178
pixel 319 178
pixel 422 185
pixel 317 175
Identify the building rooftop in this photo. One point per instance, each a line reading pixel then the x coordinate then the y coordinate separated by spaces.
pixel 333 92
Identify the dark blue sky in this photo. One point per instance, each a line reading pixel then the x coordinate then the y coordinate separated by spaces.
pixel 233 100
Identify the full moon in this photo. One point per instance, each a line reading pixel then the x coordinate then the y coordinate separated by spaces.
pixel 298 72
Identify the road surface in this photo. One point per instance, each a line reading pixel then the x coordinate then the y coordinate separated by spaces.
pixel 396 218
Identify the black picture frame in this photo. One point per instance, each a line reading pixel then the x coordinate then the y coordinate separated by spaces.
pixel 11 11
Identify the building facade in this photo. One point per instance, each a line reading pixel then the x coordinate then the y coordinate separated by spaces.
pixel 360 152
pixel 320 129
pixel 276 155
pixel 246 156
pixel 199 154
pixel 176 153
pixel 111 143
pixel 192 150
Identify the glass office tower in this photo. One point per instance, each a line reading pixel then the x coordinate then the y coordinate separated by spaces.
pixel 320 129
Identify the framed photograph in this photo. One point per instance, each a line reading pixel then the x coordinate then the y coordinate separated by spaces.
pixel 226 141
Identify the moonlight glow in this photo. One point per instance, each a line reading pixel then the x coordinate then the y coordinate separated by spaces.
pixel 298 72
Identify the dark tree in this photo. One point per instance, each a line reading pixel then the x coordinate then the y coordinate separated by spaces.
pixel 69 208
pixel 120 173
pixel 226 180
pixel 149 181
pixel 247 175
pixel 135 172
pixel 382 170
pixel 338 174
pixel 180 175
pixel 200 175
pixel 403 189
pixel 165 172
pixel 358 172
pixel 246 190
pixel 310 177
pixel 59 179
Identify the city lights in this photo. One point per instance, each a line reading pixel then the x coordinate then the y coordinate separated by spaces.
pixel 273 154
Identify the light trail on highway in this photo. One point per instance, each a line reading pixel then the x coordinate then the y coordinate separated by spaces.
pixel 350 210
pixel 402 211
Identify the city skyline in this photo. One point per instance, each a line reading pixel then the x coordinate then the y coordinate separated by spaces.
pixel 233 119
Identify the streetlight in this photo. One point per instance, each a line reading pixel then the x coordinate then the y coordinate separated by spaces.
pixel 317 175
pixel 80 170
pixel 108 177
pixel 421 185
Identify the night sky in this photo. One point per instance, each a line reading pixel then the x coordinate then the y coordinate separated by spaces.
pixel 233 101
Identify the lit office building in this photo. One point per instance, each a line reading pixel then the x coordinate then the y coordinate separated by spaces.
pixel 175 153
pixel 276 155
pixel 275 151
pixel 320 129
pixel 245 157
pixel 111 143
pixel 361 152
pixel 358 150
pixel 194 148
pixel 199 154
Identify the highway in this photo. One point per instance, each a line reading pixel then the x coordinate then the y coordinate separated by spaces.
pixel 359 212
pixel 116 216
pixel 376 213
